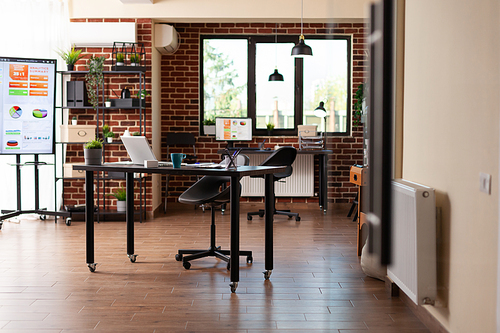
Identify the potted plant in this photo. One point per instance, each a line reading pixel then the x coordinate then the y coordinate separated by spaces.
pixel 107 103
pixel 71 57
pixel 120 58
pixel 142 94
pixel 92 151
pixel 360 105
pixel 107 133
pixel 136 134
pixel 121 197
pixel 94 79
pixel 135 59
pixel 73 120
pixel 270 128
pixel 209 126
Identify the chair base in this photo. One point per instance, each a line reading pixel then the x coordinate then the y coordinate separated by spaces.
pixel 261 213
pixel 211 252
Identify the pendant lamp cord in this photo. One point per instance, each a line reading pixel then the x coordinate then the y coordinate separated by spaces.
pixel 301 17
pixel 276 47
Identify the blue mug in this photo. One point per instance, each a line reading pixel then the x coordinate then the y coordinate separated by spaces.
pixel 177 159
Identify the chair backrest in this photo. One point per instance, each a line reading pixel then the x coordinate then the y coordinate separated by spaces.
pixel 284 156
pixel 186 139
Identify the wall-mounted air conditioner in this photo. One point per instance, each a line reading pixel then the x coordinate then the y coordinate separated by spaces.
pixel 166 38
pixel 101 34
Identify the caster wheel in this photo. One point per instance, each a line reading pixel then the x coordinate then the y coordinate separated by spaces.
pixel 178 257
pixel 297 219
pixel 132 257
pixel 186 265
pixel 267 274
pixel 233 286
pixel 43 217
pixel 261 214
pixel 92 267
pixel 68 221
pixel 249 259
pixel 249 217
pixel 228 266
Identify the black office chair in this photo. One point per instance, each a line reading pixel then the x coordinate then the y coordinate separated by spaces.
pixel 206 191
pixel 179 139
pixel 284 156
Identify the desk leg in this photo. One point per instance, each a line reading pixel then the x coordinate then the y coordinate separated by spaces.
pixel 323 182
pixel 269 207
pixel 235 233
pixel 89 218
pixel 129 216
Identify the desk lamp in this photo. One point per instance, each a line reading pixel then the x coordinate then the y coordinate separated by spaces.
pixel 320 112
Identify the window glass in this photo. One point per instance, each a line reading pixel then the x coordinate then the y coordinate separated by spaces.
pixel 225 63
pixel 326 80
pixel 274 99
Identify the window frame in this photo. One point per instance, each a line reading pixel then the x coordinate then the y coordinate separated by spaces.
pixel 252 40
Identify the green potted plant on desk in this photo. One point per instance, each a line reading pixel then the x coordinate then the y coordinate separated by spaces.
pixel 70 57
pixel 209 126
pixel 92 151
pixel 121 197
pixel 270 128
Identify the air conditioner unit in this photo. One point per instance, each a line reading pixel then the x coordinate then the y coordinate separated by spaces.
pixel 101 34
pixel 166 38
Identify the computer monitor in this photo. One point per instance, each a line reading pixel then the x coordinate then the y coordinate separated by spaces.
pixel 233 129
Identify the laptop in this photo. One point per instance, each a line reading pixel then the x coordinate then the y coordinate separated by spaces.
pixel 139 150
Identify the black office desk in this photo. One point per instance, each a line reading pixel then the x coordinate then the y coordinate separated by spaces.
pixel 235 176
pixel 323 163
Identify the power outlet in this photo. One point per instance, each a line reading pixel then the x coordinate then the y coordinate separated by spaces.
pixel 485 183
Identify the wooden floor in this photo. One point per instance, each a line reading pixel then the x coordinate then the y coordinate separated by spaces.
pixel 316 286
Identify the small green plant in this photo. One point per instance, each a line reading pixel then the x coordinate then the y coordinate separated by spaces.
pixel 106 132
pixel 94 79
pixel 93 144
pixel 270 126
pixel 120 57
pixel 135 58
pixel 359 96
pixel 136 134
pixel 142 93
pixel 209 121
pixel 71 56
pixel 120 194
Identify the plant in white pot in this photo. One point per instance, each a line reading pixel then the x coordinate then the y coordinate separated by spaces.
pixel 106 132
pixel 121 196
pixel 209 126
pixel 92 151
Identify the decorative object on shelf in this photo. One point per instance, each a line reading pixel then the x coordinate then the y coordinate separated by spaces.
pixel 134 56
pixel 92 151
pixel 121 197
pixel 120 59
pixel 276 76
pixel 301 49
pixel 270 128
pixel 125 93
pixel 94 79
pixel 142 94
pixel 309 137
pixel 73 120
pixel 136 134
pixel 107 103
pixel 106 133
pixel 209 126
pixel 71 57
pixel 359 106
pixel 126 133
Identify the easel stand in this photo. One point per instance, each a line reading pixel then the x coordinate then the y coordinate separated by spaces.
pixel 7 214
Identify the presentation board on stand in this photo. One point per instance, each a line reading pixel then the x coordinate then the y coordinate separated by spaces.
pixel 27 98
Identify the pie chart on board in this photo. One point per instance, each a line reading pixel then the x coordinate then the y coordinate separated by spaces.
pixel 15 112
pixel 39 113
pixel 12 143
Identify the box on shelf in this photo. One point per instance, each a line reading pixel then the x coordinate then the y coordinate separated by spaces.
pixel 127 102
pixel 70 173
pixel 77 133
pixel 307 130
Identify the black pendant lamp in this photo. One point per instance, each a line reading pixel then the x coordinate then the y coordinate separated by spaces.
pixel 301 48
pixel 276 76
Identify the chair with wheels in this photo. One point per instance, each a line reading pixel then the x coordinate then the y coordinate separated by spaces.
pixel 284 156
pixel 183 141
pixel 207 191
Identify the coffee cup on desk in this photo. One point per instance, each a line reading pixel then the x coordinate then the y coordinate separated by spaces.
pixel 177 159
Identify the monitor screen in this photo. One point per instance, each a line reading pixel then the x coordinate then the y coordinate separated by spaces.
pixel 27 97
pixel 233 129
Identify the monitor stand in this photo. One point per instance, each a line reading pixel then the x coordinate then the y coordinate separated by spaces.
pixel 230 145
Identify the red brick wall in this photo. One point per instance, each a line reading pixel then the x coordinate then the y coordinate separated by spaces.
pixel 180 100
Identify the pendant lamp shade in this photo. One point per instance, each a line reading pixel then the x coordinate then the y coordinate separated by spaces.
pixel 276 76
pixel 301 49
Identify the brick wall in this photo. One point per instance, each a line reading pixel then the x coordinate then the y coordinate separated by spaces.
pixel 180 101
pixel 180 106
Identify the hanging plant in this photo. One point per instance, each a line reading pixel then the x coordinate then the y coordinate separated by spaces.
pixel 94 79
pixel 359 96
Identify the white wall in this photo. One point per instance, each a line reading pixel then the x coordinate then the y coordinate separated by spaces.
pixel 451 134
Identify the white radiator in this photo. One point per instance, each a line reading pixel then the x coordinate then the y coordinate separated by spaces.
pixel 299 184
pixel 413 261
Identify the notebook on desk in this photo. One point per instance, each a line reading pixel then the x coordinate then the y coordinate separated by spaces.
pixel 139 150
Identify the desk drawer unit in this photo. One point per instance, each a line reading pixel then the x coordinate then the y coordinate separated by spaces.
pixel 70 173
pixel 299 184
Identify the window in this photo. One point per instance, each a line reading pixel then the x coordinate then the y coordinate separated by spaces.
pixel 234 81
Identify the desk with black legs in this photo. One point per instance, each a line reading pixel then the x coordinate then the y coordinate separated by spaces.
pixel 235 175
